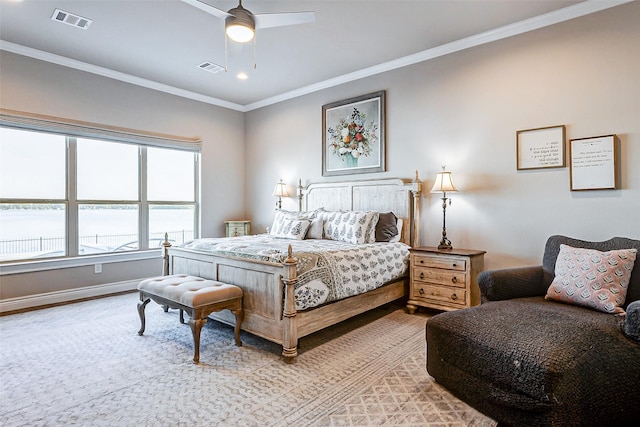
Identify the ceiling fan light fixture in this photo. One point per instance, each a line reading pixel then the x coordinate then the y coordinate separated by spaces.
pixel 239 33
pixel 240 26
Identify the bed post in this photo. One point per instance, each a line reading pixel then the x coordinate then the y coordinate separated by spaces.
pixel 300 195
pixel 165 254
pixel 290 333
pixel 416 191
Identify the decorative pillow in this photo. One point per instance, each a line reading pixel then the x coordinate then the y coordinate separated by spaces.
pixel 398 236
pixel 291 228
pixel 352 227
pixel 316 229
pixel 386 227
pixel 591 278
pixel 282 215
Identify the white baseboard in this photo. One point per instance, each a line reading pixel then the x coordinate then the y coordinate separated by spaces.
pixel 58 297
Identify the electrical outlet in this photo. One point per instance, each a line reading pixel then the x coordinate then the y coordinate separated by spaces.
pixel 97 268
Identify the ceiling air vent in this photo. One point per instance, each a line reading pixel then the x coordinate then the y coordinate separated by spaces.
pixel 211 67
pixel 71 19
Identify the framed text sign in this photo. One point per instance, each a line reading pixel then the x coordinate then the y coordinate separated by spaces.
pixel 540 148
pixel 593 163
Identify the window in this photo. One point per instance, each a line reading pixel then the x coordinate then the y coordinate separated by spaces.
pixel 171 196
pixel 32 193
pixel 107 170
pixel 32 165
pixel 71 194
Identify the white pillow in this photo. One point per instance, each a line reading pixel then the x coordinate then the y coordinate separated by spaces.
pixel 291 228
pixel 355 227
pixel 282 215
pixel 316 229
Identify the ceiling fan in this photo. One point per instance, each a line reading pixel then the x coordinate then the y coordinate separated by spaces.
pixel 241 24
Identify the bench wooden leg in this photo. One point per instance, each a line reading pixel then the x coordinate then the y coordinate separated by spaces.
pixel 239 313
pixel 141 306
pixel 196 326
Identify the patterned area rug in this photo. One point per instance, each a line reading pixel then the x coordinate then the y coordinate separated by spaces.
pixel 84 364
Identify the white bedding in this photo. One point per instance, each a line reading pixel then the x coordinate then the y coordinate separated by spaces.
pixel 328 270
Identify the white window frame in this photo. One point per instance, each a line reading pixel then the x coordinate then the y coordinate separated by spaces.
pixel 73 130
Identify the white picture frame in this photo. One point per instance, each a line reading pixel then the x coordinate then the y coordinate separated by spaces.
pixel 594 163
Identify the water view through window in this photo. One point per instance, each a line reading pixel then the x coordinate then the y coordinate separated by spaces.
pixel 38 231
pixel 108 203
pixel 32 230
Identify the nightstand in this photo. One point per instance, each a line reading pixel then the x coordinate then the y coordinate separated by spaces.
pixel 444 279
pixel 237 228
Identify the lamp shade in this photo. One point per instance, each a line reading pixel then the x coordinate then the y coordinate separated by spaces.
pixel 444 183
pixel 280 190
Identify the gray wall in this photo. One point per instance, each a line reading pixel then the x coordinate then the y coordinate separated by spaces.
pixel 463 110
pixel 42 88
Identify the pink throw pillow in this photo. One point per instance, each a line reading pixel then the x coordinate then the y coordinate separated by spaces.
pixel 591 278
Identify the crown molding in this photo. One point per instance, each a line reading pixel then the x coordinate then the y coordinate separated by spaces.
pixel 116 75
pixel 520 27
pixel 531 24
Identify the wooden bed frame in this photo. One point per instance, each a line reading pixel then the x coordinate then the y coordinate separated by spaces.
pixel 269 305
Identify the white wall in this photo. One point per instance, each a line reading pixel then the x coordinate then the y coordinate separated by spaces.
pixel 42 88
pixel 463 110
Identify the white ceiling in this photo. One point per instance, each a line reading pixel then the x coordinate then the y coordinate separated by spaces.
pixel 160 43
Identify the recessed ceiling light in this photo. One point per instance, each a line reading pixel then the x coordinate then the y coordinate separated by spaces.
pixel 242 76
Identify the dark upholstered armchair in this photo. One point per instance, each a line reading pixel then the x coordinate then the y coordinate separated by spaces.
pixel 528 361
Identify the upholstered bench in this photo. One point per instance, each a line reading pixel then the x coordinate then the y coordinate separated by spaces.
pixel 197 296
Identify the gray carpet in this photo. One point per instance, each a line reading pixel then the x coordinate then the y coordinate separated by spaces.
pixel 84 364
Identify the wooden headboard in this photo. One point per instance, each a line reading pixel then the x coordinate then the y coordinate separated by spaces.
pixel 395 195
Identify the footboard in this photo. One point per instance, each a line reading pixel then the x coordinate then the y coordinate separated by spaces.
pixel 268 302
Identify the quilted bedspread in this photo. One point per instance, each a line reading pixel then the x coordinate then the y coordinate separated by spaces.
pixel 328 270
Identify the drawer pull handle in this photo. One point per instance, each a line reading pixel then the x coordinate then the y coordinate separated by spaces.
pixel 454 297
pixel 421 261
pixel 421 291
pixel 455 265
pixel 422 275
pixel 454 279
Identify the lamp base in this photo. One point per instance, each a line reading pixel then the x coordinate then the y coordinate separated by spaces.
pixel 445 244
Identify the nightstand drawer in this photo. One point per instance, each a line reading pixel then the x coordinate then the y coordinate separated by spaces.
pixel 440 276
pixel 236 230
pixel 449 263
pixel 439 293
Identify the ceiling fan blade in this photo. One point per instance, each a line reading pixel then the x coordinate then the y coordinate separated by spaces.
pixel 208 8
pixel 266 20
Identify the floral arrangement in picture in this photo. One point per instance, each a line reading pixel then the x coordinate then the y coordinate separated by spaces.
pixel 352 137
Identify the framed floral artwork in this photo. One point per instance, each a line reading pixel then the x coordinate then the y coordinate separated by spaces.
pixel 353 135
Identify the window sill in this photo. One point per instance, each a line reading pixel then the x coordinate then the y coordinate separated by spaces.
pixel 82 261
